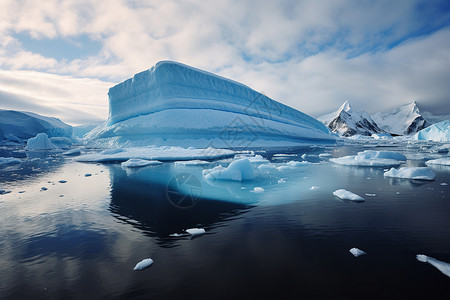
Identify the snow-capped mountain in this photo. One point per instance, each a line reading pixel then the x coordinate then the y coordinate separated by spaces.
pixel 347 122
pixel 402 120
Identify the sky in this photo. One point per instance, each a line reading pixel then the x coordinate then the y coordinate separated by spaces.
pixel 60 57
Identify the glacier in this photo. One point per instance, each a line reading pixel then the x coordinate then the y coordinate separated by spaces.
pixel 173 104
pixel 17 126
pixel 439 132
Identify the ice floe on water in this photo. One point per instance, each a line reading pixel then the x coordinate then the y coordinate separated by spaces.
pixel 4 161
pixel 357 252
pixel 347 195
pixel 417 173
pixel 439 161
pixel 137 163
pixel 258 190
pixel 40 142
pixel 164 153
pixel 314 188
pixel 238 170
pixel 371 158
pixel 440 265
pixel 370 195
pixel 196 232
pixel 143 264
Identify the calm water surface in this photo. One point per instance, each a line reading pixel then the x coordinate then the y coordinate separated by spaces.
pixel 80 239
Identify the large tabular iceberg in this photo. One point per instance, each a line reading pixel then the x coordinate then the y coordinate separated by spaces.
pixel 174 104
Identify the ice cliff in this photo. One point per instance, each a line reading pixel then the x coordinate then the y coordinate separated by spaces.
pixel 174 104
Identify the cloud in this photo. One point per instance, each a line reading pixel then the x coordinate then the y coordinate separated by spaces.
pixel 311 55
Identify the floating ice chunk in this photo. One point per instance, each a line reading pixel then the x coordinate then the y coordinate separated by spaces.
pixel 284 155
pixel 443 183
pixel 347 195
pixel 357 252
pixel 370 195
pixel 267 167
pixel 195 232
pixel 314 188
pixel 40 142
pixel 136 163
pixel 282 180
pixel 325 155
pixel 238 170
pixel 439 161
pixel 195 162
pixel 440 265
pixel 9 161
pixel 73 152
pixel 258 190
pixel 371 158
pixel 257 159
pixel 143 264
pixel 155 153
pixel 418 173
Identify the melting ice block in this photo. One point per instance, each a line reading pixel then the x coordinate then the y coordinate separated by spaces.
pixel 418 173
pixel 174 104
pixel 347 195
pixel 440 265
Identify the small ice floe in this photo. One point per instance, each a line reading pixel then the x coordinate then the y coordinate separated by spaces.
pixel 9 161
pixel 314 188
pixel 347 195
pixel 195 162
pixel 137 163
pixel 73 152
pixel 325 155
pixel 417 173
pixel 143 264
pixel 268 166
pixel 370 158
pixel 87 175
pixel 238 170
pixel 439 161
pixel 195 232
pixel 440 265
pixel 175 235
pixel 62 181
pixel 443 183
pixel 370 195
pixel 357 252
pixel 282 180
pixel 257 190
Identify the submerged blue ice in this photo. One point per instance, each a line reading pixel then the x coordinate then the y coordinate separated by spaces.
pixel 174 104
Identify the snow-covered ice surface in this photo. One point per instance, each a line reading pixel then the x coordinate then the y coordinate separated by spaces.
pixel 347 195
pixel 372 158
pixel 174 104
pixel 417 173
pixel 155 153
pixel 40 142
pixel 440 265
pixel 439 132
pixel 439 161
pixel 143 264
pixel 357 252
pixel 137 163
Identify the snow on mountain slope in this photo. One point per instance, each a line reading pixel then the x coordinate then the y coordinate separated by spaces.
pixel 347 122
pixel 403 120
pixel 19 125
pixel 174 104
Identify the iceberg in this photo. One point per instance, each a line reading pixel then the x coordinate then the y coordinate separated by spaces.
pixel 440 265
pixel 40 142
pixel 417 173
pixel 17 126
pixel 238 170
pixel 347 195
pixel 357 252
pixel 371 158
pixel 439 132
pixel 177 105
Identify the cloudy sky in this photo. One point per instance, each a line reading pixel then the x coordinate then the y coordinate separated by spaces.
pixel 60 57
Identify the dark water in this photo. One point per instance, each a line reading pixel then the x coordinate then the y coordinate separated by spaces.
pixel 81 239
